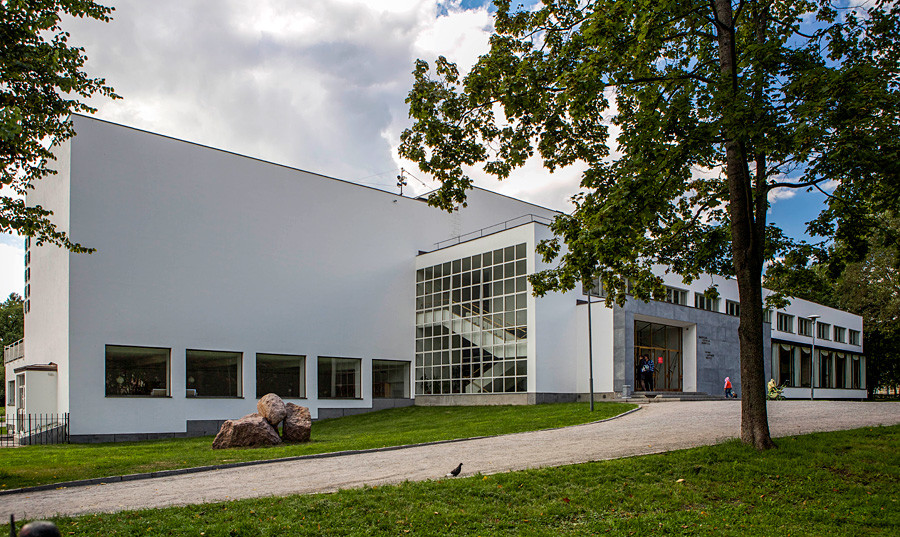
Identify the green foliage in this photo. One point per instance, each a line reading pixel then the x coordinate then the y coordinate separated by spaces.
pixel 12 320
pixel 841 484
pixel 41 84
pixel 33 465
pixel 869 287
pixel 679 87
pixel 12 328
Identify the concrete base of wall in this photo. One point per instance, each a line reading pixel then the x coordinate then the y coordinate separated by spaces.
pixel 377 404
pixel 487 399
pixel 125 437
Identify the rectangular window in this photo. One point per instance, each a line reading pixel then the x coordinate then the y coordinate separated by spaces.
pixel 840 370
pixel 805 367
pixel 137 371
pixel 676 296
pixel 824 330
pixel 826 372
pixel 703 302
pixel 11 393
pixel 786 365
pixel 840 334
pixel 213 373
pixel 339 378
pixel 732 308
pixel 281 374
pixel 855 371
pixel 804 326
pixel 785 322
pixel 767 316
pixel 597 289
pixel 854 337
pixel 390 379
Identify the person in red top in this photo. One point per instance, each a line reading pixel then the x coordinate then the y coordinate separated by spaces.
pixel 728 391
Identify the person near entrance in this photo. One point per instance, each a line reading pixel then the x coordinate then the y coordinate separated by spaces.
pixel 729 393
pixel 647 372
pixel 642 372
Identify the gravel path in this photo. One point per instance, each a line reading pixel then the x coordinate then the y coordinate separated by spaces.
pixel 654 428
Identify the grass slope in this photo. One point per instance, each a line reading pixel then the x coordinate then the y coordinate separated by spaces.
pixel 35 465
pixel 841 484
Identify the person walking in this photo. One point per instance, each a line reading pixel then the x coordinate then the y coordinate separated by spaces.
pixel 729 393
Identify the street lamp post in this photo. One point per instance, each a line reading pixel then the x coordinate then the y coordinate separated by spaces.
pixel 812 370
pixel 590 350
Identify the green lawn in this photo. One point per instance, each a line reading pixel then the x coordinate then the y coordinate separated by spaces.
pixel 841 484
pixel 34 465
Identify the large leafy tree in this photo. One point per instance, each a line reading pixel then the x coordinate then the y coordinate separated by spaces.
pixel 41 83
pixel 686 115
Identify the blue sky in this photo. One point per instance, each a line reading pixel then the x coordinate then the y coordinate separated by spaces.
pixel 317 85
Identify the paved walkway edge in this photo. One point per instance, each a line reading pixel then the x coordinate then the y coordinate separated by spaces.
pixel 196 469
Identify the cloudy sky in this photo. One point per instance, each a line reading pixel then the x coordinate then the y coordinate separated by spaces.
pixel 318 85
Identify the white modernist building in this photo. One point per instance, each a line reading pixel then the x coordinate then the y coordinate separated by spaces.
pixel 218 278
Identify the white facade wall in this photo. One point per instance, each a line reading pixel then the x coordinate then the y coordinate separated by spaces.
pixel 203 249
pixel 46 323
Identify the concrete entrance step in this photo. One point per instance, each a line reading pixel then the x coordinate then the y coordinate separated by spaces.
pixel 662 397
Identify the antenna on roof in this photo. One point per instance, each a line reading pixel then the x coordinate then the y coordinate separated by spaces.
pixel 401 179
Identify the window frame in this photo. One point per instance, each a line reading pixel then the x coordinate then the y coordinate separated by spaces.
pixel 732 308
pixel 839 333
pixel 823 328
pixel 784 320
pixel 239 380
pixel 703 302
pixel 804 326
pixel 357 381
pixel 854 336
pixel 674 295
pixel 302 376
pixel 167 378
pixel 406 383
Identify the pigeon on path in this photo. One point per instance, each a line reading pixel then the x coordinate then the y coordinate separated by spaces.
pixel 455 472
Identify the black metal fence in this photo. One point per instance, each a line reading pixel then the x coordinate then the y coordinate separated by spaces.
pixel 34 429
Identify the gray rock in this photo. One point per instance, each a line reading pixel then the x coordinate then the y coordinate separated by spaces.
pixel 272 408
pixel 297 425
pixel 250 431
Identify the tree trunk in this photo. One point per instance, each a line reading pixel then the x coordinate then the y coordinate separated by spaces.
pixel 746 244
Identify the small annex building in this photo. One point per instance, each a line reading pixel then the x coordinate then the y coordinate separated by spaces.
pixel 218 278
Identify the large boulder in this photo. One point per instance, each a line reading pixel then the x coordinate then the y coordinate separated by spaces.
pixel 272 408
pixel 250 431
pixel 297 425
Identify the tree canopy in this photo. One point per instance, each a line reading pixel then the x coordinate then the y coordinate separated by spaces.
pixel 12 327
pixel 869 287
pixel 41 83
pixel 687 114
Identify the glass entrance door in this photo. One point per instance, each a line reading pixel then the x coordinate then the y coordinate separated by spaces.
pixel 660 344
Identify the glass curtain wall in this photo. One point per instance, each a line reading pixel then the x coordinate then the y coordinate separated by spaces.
pixel 471 317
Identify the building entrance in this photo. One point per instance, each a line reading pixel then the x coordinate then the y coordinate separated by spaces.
pixel 662 345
